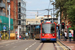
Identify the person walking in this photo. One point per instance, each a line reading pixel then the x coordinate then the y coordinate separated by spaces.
pixel 65 35
pixel 70 36
pixel 26 35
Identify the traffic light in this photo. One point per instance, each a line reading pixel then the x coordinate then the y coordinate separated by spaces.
pixel 62 25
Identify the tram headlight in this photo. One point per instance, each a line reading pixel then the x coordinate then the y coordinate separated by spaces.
pixel 53 35
pixel 42 34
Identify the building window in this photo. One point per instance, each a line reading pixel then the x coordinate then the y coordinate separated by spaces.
pixel 19 4
pixel 19 16
pixel 19 10
pixel 19 22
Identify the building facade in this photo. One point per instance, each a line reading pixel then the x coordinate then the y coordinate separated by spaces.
pixel 14 14
pixel 3 8
pixel 4 21
pixel 21 17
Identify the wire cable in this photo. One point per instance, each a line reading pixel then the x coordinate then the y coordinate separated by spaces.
pixel 35 10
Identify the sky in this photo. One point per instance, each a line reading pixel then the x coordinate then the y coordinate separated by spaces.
pixel 38 5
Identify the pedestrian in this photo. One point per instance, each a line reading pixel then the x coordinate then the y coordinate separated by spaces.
pixel 65 35
pixel 26 35
pixel 20 37
pixel 70 36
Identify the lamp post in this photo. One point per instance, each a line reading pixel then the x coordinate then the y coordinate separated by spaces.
pixel 9 21
pixel 53 11
pixel 0 31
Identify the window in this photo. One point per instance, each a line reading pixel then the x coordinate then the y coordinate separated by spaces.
pixel 19 4
pixel 19 22
pixel 48 28
pixel 19 16
pixel 19 10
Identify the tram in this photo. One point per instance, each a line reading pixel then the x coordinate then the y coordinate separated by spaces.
pixel 48 32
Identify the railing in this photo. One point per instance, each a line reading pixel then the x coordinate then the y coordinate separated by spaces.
pixel 2 4
pixel 2 14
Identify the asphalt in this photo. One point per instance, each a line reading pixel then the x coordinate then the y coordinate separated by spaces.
pixel 19 45
pixel 29 45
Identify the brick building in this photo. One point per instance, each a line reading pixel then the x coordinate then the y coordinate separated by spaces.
pixel 14 13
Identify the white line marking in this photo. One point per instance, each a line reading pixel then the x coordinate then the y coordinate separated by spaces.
pixel 6 42
pixel 30 46
pixel 39 46
pixel 26 49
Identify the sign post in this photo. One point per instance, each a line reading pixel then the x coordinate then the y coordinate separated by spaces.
pixel 0 32
pixel 4 31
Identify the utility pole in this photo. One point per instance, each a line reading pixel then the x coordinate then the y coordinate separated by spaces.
pixel 53 11
pixel 9 21
pixel 48 13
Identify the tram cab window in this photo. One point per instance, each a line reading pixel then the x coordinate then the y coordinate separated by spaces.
pixel 48 28
pixel 52 30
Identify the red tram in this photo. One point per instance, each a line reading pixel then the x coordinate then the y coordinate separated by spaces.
pixel 48 32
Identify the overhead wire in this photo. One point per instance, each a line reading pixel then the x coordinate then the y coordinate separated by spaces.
pixel 38 14
pixel 35 10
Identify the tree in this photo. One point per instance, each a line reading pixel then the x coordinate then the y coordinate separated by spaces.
pixel 60 5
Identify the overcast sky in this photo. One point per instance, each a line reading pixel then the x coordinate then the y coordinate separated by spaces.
pixel 37 5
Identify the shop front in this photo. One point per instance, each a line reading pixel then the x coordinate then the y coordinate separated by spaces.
pixel 4 22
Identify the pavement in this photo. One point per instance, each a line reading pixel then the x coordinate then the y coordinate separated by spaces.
pixel 70 45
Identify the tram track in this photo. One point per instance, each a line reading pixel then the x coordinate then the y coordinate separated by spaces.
pixel 43 44
pixel 54 46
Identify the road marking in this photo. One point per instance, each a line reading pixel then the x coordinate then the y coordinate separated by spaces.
pixel 56 46
pixel 1 46
pixel 30 46
pixel 62 45
pixel 39 46
pixel 7 44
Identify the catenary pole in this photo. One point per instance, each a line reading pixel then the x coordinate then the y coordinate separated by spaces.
pixel 9 21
